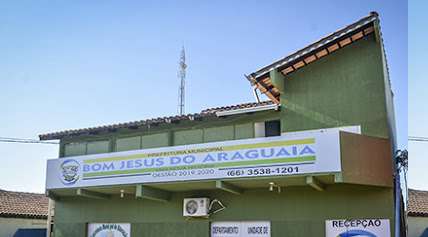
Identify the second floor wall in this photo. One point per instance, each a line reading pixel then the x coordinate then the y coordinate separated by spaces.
pixel 344 88
pixel 244 126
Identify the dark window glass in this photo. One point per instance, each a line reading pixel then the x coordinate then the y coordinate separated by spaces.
pixel 272 128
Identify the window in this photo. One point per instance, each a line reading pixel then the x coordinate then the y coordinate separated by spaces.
pixel 267 128
pixel 86 148
pixel 75 149
pixel 128 143
pixel 97 147
pixel 272 128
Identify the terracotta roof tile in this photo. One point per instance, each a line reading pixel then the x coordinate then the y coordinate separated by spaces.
pixel 210 112
pixel 26 205
pixel 418 203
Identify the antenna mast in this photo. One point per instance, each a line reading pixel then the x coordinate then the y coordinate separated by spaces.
pixel 182 76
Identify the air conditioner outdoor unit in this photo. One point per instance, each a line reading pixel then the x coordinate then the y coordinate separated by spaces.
pixel 196 206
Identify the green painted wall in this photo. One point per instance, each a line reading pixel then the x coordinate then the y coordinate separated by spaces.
pixel 128 143
pixel 230 128
pixel 344 88
pixel 296 211
pixel 219 133
pixel 155 140
pixel 189 137
pixel 243 131
pixel 97 147
pixel 74 149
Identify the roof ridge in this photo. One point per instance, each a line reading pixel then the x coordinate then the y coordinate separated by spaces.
pixel 20 192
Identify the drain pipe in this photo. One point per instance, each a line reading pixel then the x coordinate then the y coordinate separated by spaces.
pixel 397 203
pixel 401 163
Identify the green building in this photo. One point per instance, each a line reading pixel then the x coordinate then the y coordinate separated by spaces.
pixel 314 160
pixel 417 213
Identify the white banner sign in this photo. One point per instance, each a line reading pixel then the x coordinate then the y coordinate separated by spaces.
pixel 357 227
pixel 290 154
pixel 240 229
pixel 109 230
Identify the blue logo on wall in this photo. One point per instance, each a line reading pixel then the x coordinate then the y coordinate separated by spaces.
pixel 359 233
pixel 70 171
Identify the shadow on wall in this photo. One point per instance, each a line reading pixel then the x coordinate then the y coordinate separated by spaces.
pixel 30 233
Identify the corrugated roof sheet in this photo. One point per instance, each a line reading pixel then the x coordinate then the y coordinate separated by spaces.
pixel 211 112
pixel 418 203
pixel 25 205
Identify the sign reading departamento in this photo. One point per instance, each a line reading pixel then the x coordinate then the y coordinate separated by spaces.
pixel 109 230
pixel 240 229
pixel 290 154
pixel 357 227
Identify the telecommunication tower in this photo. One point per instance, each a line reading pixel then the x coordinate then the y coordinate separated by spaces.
pixel 182 76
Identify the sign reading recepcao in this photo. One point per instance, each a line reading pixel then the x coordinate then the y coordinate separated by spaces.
pixel 289 154
pixel 357 227
pixel 109 230
pixel 240 229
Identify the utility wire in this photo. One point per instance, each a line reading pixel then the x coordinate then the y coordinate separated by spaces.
pixel 24 140
pixel 418 139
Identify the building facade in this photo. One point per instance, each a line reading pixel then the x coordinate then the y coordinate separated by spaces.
pixel 23 212
pixel 314 160
pixel 417 213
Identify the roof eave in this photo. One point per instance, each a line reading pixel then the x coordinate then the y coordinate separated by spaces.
pixel 247 110
pixel 211 113
pixel 417 214
pixel 25 216
pixel 302 53
pixel 129 125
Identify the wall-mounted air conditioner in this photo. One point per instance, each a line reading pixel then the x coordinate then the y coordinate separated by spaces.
pixel 196 206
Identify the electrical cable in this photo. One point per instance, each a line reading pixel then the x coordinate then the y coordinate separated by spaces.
pixel 418 139
pixel 25 140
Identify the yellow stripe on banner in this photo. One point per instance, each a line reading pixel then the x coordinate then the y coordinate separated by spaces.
pixel 282 160
pixel 269 144
pixel 203 150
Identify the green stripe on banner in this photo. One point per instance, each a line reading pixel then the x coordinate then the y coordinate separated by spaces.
pixel 203 150
pixel 202 166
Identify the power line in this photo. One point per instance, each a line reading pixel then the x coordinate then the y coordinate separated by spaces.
pixel 24 140
pixel 418 139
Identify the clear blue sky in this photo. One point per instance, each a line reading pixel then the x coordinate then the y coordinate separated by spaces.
pixel 75 64
pixel 418 97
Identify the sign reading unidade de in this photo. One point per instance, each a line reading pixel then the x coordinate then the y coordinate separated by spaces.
pixel 240 229
pixel 109 230
pixel 357 227
pixel 290 154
